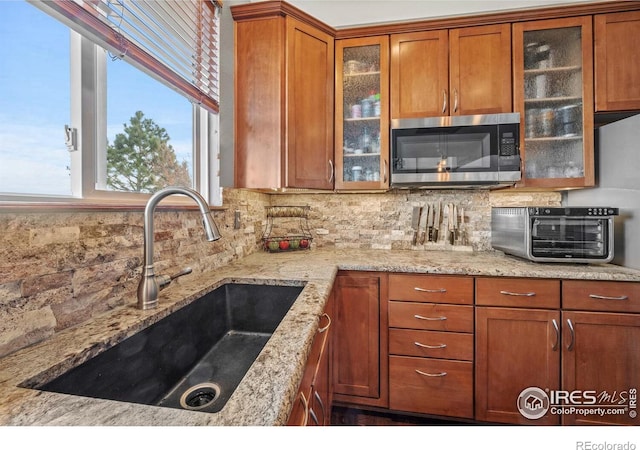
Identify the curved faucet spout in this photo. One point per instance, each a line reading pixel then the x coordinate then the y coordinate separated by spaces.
pixel 148 288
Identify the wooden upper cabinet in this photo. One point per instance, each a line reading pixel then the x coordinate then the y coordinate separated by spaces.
pixel 617 61
pixel 451 72
pixel 419 74
pixel 283 101
pixel 553 92
pixel 362 113
pixel 310 68
pixel 480 70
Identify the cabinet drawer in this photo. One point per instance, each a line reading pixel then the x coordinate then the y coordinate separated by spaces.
pixel 616 296
pixel 430 316
pixel 518 292
pixel 431 386
pixel 432 344
pixel 431 289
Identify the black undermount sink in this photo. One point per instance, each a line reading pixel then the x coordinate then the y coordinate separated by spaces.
pixel 192 359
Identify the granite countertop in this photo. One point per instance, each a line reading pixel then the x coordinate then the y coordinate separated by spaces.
pixel 265 395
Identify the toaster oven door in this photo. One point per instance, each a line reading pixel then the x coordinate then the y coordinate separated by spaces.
pixel 580 238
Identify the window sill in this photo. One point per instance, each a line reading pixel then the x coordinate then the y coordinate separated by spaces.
pixel 71 206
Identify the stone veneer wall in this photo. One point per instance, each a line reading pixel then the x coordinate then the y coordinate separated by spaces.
pixel 383 221
pixel 59 269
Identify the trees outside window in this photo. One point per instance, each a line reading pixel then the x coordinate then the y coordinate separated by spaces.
pixel 141 159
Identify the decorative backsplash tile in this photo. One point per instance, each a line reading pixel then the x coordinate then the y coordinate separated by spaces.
pixel 59 269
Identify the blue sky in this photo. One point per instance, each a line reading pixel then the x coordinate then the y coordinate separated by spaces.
pixel 35 102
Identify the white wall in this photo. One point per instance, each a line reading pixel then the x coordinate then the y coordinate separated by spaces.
pixel 226 96
pixel 347 13
pixel 618 171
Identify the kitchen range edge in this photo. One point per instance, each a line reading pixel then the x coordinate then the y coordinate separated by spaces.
pixel 266 394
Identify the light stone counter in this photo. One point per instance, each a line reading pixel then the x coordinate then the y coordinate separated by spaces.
pixel 265 395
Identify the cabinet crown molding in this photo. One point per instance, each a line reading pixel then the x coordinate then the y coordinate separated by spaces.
pixel 277 8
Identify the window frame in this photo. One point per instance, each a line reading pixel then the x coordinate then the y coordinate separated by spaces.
pixel 88 85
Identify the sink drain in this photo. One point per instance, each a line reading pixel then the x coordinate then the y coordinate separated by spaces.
pixel 200 396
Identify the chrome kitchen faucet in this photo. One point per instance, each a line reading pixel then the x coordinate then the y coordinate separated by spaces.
pixel 149 287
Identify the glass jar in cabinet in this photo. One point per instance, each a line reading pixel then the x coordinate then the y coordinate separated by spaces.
pixel 553 92
pixel 362 113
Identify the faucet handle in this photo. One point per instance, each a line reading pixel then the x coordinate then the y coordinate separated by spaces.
pixel 165 280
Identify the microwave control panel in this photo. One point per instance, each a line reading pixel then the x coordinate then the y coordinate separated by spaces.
pixel 574 212
pixel 508 145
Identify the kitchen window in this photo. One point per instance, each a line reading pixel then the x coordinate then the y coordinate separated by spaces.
pixel 80 122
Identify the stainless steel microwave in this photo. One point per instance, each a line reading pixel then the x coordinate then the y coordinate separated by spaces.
pixel 546 234
pixel 456 151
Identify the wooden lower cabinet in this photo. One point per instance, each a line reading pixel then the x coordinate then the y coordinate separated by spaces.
pixel 360 370
pixel 466 348
pixel 312 405
pixel 431 345
pixel 600 351
pixel 515 349
pixel 431 386
pixel 601 354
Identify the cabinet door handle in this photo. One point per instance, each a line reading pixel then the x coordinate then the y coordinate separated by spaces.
pixel 441 374
pixel 573 335
pixel 384 171
pixel 430 346
pixel 418 316
pixel 444 101
pixel 305 405
pixel 326 327
pixel 432 291
pixel 555 327
pixel 605 297
pixel 317 396
pixel 312 413
pixel 331 171
pixel 519 294
pixel 455 100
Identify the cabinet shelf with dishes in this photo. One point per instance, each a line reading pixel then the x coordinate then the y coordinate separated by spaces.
pixel 362 119
pixel 356 75
pixel 553 91
pixel 361 155
pixel 362 113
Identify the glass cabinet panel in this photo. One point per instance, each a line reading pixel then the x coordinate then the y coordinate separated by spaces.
pixel 555 105
pixel 362 114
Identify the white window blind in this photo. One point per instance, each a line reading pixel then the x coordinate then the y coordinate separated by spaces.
pixel 175 40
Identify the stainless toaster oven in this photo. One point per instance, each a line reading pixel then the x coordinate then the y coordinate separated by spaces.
pixel 547 234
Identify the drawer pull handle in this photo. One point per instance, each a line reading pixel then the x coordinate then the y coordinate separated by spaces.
pixel 418 316
pixel 604 297
pixel 441 374
pixel 430 346
pixel 431 291
pixel 519 294
pixel 557 330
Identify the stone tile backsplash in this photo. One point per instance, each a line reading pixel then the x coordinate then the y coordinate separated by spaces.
pixel 59 269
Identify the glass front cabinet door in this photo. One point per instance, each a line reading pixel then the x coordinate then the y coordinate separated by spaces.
pixel 362 113
pixel 553 92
